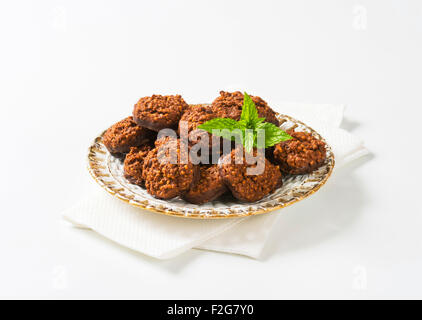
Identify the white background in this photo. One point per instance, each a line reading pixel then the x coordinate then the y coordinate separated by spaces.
pixel 69 69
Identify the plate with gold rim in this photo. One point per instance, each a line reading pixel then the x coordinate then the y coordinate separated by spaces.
pixel 107 171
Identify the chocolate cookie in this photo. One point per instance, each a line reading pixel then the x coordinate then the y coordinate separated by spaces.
pixel 302 154
pixel 158 112
pixel 133 164
pixel 209 187
pixel 229 105
pixel 171 178
pixel 193 117
pixel 244 186
pixel 123 135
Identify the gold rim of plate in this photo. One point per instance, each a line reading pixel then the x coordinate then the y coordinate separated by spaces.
pixel 107 171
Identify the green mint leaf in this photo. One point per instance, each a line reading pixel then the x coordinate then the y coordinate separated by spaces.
pixel 241 124
pixel 259 139
pixel 224 127
pixel 249 112
pixel 260 120
pixel 249 140
pixel 251 129
pixel 219 123
pixel 273 134
pixel 234 135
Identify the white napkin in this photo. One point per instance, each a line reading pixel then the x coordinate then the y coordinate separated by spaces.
pixel 164 237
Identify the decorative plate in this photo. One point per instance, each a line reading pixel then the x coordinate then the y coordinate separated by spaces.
pixel 107 170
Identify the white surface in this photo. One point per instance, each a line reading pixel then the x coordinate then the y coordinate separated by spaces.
pixel 71 68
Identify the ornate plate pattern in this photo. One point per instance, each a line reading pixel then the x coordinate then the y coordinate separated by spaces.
pixel 108 172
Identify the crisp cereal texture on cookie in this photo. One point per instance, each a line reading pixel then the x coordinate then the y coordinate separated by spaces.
pixel 246 187
pixel 133 164
pixel 159 112
pixel 192 118
pixel 195 115
pixel 302 154
pixel 229 105
pixel 209 187
pixel 125 134
pixel 164 179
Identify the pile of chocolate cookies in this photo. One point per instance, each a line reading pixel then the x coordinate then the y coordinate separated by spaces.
pixel 135 139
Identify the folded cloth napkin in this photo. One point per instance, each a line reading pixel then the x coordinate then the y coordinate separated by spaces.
pixel 164 237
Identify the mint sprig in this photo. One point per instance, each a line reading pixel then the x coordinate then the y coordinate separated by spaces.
pixel 249 113
pixel 250 126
